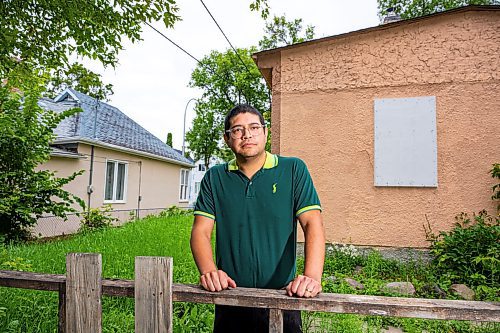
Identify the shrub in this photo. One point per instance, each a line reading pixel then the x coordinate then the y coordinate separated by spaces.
pixel 175 211
pixel 27 132
pixel 97 218
pixel 470 252
pixel 495 173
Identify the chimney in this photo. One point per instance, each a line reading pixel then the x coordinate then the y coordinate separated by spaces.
pixel 391 16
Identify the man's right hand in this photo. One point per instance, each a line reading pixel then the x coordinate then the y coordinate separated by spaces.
pixel 216 281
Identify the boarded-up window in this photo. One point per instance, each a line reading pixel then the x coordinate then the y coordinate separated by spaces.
pixel 405 142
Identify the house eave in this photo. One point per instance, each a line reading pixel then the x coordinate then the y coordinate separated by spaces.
pixel 120 149
pixel 471 8
pixel 68 155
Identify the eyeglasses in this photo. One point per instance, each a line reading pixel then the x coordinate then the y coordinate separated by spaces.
pixel 238 131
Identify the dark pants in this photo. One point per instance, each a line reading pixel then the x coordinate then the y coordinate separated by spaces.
pixel 243 320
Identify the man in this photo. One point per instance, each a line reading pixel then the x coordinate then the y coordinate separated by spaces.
pixel 256 200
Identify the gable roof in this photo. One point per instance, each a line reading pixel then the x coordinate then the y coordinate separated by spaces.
pixel 104 125
pixel 469 8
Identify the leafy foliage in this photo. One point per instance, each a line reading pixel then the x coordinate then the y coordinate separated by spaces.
pixel 495 173
pixel 231 78
pixel 173 211
pixel 39 36
pixel 470 252
pixel 414 8
pixel 262 6
pixel 169 139
pixel 205 134
pixel 97 218
pixel 280 32
pixel 43 33
pixel 81 79
pixel 27 130
pixel 226 81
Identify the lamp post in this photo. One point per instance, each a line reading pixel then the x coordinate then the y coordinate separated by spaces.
pixel 184 130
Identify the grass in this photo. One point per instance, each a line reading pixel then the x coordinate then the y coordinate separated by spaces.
pixel 36 311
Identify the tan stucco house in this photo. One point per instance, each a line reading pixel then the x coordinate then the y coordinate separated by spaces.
pixel 399 124
pixel 124 165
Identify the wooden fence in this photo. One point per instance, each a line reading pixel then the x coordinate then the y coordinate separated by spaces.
pixel 81 289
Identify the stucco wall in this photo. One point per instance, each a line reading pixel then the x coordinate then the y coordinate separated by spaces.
pixel 159 181
pixel 326 95
pixel 159 184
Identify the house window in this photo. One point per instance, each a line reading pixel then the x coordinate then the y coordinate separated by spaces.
pixel 405 142
pixel 115 186
pixel 196 187
pixel 201 167
pixel 183 194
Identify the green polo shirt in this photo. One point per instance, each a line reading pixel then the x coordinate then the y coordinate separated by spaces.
pixel 256 219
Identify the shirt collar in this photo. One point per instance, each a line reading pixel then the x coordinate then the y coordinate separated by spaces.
pixel 271 162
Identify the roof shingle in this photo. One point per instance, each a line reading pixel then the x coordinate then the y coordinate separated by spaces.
pixel 104 123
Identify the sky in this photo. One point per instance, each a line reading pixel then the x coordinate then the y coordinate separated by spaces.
pixel 150 82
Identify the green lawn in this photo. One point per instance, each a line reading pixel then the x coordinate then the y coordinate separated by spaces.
pixel 34 311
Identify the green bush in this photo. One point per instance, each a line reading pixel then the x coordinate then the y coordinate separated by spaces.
pixel 175 211
pixel 26 192
pixel 97 218
pixel 495 173
pixel 470 252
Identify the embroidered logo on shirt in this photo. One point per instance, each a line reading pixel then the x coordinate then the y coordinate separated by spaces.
pixel 274 187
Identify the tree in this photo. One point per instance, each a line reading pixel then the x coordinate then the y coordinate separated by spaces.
pixel 204 137
pixel 37 38
pixel 226 79
pixel 231 78
pixel 44 33
pixel 414 8
pixel 169 139
pixel 79 78
pixel 280 32
pixel 27 129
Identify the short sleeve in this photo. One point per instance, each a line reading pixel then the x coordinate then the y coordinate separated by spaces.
pixel 304 193
pixel 205 202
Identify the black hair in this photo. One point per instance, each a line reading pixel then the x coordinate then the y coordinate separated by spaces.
pixel 242 108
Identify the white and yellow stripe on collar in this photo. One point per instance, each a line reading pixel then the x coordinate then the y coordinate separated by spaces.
pixel 271 162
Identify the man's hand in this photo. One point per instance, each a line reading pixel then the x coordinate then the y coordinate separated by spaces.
pixel 216 281
pixel 303 286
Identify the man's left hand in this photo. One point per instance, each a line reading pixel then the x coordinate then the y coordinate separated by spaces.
pixel 303 286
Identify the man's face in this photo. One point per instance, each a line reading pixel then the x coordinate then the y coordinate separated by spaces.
pixel 249 145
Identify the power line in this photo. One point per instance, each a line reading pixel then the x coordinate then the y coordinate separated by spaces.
pixel 218 26
pixel 199 62
pixel 171 41
pixel 193 57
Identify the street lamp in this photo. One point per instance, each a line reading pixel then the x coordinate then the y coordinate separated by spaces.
pixel 184 130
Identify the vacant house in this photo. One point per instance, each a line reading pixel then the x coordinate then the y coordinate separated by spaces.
pixel 399 123
pixel 124 165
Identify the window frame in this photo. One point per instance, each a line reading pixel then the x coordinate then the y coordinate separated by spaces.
pixel 115 182
pixel 186 198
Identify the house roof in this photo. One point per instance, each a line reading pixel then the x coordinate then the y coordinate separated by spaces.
pixel 102 124
pixel 469 8
pixel 189 158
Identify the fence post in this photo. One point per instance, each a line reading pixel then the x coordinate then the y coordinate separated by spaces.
pixel 61 326
pixel 83 293
pixel 153 294
pixel 275 321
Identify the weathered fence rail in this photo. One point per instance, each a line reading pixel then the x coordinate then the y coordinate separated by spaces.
pixel 81 289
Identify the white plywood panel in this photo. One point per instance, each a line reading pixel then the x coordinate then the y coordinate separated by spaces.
pixel 405 142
